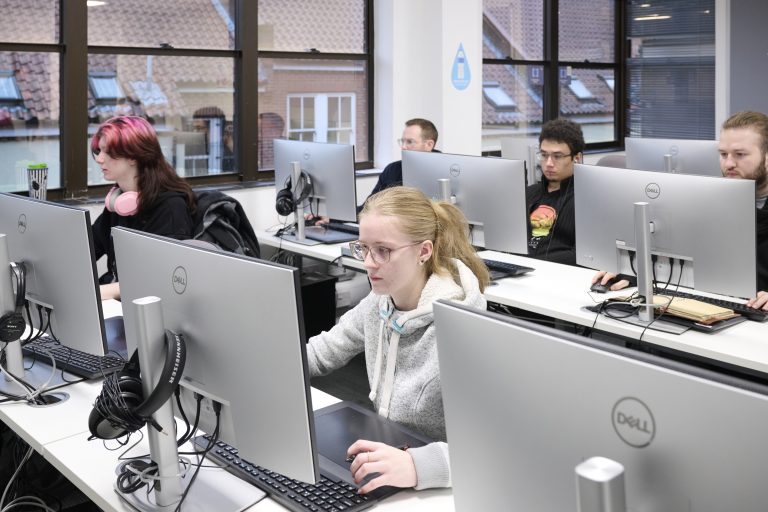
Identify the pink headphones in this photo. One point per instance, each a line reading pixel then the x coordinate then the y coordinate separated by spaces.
pixel 122 203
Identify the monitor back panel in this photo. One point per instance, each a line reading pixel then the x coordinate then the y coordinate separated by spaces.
pixel 55 243
pixel 525 404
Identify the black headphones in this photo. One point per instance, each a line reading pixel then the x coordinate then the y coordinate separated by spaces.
pixel 121 407
pixel 286 202
pixel 13 325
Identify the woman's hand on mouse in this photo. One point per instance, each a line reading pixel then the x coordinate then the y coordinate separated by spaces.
pixel 394 465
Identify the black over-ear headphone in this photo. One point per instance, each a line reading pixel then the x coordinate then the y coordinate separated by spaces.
pixel 121 407
pixel 285 203
pixel 13 325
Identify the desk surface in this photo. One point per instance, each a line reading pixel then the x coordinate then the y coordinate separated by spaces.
pixel 90 466
pixel 325 252
pixel 561 291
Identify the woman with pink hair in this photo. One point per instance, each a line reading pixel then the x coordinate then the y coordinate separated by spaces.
pixel 147 195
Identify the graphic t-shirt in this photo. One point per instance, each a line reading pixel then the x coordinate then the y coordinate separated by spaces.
pixel 542 219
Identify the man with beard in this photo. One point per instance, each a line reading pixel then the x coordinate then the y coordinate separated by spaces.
pixel 743 151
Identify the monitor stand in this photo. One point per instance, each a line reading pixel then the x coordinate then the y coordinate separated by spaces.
pixel 213 488
pixel 645 316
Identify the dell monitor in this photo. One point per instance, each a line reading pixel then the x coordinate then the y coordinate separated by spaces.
pixel 331 169
pixel 241 320
pixel 673 155
pixel 707 222
pixel 490 191
pixel 526 149
pixel 542 401
pixel 55 244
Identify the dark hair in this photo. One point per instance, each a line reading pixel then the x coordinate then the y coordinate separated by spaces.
pixel 134 138
pixel 428 130
pixel 272 121
pixel 563 131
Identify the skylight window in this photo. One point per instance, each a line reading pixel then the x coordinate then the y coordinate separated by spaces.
pixel 498 97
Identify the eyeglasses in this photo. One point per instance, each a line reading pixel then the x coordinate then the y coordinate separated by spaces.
pixel 556 157
pixel 408 142
pixel 379 253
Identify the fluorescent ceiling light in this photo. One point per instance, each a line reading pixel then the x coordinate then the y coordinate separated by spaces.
pixel 652 17
pixel 94 3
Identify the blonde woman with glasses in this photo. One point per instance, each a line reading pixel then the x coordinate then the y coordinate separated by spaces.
pixel 416 251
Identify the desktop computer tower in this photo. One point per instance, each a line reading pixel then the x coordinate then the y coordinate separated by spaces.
pixel 318 298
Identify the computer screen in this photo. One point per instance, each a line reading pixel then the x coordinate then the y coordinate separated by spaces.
pixel 523 148
pixel 708 222
pixel 55 243
pixel 541 401
pixel 241 321
pixel 490 191
pixel 673 155
pixel 332 170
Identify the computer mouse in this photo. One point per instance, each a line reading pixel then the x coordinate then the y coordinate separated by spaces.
pixel 598 287
pixel 311 221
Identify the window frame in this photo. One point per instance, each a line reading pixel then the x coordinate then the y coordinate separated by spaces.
pixel 73 50
pixel 551 64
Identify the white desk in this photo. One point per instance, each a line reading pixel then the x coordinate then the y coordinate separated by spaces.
pixel 324 252
pixel 560 291
pixel 91 468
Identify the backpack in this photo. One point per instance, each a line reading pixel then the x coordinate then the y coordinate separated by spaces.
pixel 221 220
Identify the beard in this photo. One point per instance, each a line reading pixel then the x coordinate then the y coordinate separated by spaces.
pixel 761 175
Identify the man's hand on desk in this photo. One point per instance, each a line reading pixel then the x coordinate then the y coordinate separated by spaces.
pixel 759 302
pixel 317 220
pixel 605 277
pixel 110 291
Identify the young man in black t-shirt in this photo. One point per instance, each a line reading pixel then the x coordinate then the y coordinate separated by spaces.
pixel 551 222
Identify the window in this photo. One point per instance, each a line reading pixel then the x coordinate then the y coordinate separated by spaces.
pixel 9 91
pixel 193 68
pixel 541 60
pixel 322 118
pixel 671 69
pixel 578 88
pixel 497 97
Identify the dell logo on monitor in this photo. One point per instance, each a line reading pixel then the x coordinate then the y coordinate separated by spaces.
pixel 22 223
pixel 455 170
pixel 633 422
pixel 179 280
pixel 652 190
pixel 307 155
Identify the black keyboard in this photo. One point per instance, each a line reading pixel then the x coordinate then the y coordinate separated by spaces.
pixel 328 494
pixel 757 315
pixel 501 269
pixel 78 363
pixel 344 227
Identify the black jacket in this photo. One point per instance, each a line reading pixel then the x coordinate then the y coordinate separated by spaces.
pixel 554 238
pixel 169 217
pixel 762 247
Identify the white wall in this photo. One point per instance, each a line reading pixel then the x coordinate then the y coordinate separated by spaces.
pixel 415 46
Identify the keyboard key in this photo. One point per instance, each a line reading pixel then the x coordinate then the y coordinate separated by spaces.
pixel 82 364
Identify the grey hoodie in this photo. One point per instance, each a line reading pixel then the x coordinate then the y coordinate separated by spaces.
pixel 401 359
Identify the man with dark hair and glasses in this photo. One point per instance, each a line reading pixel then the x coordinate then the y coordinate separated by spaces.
pixel 551 225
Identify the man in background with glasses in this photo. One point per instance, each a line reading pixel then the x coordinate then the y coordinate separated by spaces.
pixel 551 226
pixel 418 135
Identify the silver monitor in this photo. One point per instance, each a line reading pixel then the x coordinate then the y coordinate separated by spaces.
pixel 540 401
pixel 526 149
pixel 708 222
pixel 55 243
pixel 673 155
pixel 241 320
pixel 332 170
pixel 490 191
